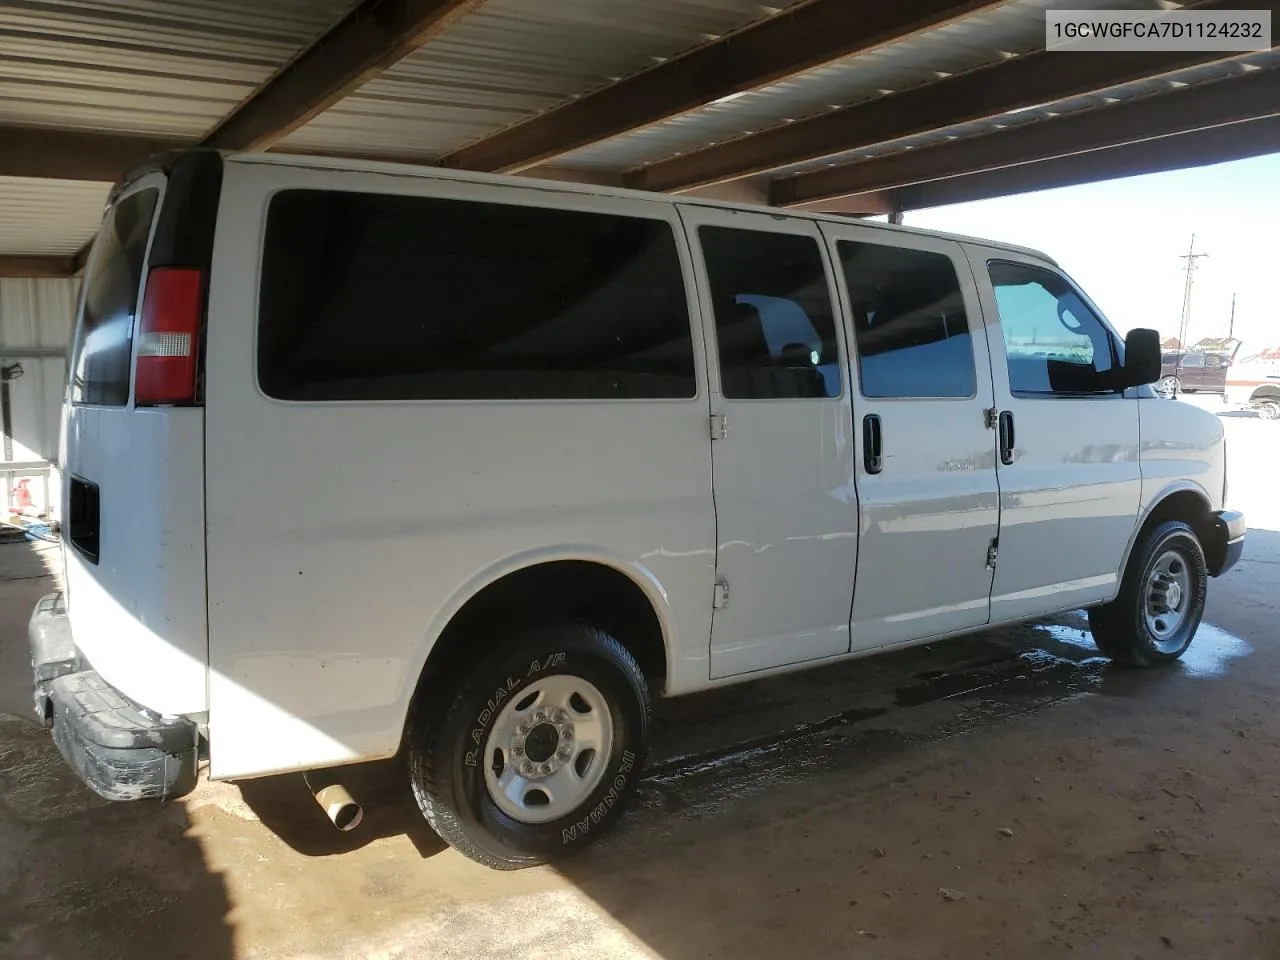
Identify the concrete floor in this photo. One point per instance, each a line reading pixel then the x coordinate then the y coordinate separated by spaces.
pixel 1006 795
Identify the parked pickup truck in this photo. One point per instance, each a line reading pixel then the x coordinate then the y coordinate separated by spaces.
pixel 365 459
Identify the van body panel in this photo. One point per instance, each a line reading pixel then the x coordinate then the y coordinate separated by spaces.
pixel 136 600
pixel 1069 499
pixel 1183 447
pixel 936 493
pixel 339 531
pixel 786 508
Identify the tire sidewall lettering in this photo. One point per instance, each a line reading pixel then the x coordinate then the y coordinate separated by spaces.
pixel 590 818
pixel 479 728
pixel 616 791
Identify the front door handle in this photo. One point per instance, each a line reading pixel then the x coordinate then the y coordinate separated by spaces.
pixel 872 443
pixel 1007 438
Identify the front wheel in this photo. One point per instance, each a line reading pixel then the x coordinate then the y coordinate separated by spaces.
pixel 536 754
pixel 1269 409
pixel 1161 600
pixel 1168 387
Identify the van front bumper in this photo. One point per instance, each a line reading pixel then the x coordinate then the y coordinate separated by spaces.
pixel 121 750
pixel 1226 541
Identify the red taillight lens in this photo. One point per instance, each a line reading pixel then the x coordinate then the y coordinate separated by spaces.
pixel 168 337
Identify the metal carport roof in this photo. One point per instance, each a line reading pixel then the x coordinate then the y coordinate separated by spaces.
pixel 833 104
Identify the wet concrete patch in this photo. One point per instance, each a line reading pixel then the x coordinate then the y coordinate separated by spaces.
pixel 1003 674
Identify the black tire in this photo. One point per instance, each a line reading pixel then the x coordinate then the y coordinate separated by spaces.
pixel 1120 628
pixel 448 733
pixel 1269 409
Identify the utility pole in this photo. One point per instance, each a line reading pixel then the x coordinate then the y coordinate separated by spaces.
pixel 1231 327
pixel 1191 257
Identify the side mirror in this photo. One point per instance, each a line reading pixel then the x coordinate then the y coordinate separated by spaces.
pixel 1141 358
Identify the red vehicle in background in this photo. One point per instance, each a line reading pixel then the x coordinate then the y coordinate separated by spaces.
pixel 1202 369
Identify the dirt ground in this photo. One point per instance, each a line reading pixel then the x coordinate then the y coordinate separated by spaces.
pixel 1008 794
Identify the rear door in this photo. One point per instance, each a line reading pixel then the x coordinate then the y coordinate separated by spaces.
pixel 133 504
pixel 786 512
pixel 926 457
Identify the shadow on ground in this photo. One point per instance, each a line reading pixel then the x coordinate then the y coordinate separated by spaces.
pixel 285 806
pixel 81 877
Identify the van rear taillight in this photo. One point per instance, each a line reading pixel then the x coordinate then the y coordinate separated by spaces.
pixel 168 338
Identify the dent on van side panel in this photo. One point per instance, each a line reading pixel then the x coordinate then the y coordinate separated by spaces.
pixel 341 533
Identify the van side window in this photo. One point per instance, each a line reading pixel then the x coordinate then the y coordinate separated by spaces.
pixel 775 332
pixel 913 334
pixel 100 362
pixel 380 297
pixel 1055 344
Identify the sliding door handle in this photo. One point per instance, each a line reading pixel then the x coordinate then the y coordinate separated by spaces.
pixel 872 443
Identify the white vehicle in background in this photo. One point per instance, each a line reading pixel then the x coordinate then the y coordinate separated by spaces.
pixel 365 460
pixel 1254 381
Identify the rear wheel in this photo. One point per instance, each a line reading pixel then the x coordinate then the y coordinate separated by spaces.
pixel 1269 409
pixel 535 755
pixel 1161 600
pixel 1168 386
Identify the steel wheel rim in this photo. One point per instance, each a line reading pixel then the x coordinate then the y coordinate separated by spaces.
pixel 548 749
pixel 1269 411
pixel 1167 599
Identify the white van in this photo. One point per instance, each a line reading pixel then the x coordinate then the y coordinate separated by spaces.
pixel 1253 381
pixel 405 459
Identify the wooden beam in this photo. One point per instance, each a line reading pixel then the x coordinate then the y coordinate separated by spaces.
pixel 37 267
pixel 73 154
pixel 1036 78
pixel 372 37
pixel 1237 141
pixel 861 205
pixel 797 39
pixel 1246 97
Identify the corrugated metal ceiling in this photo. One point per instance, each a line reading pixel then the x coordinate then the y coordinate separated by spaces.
pixel 175 67
pixel 154 67
pixel 510 60
pixel 1013 28
pixel 48 216
pixel 1142 88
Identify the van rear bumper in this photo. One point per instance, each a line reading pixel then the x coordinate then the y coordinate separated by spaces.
pixel 121 750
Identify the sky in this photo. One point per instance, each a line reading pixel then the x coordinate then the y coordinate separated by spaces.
pixel 1121 240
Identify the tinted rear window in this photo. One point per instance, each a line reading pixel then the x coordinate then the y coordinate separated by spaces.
pixel 373 297
pixel 908 313
pixel 104 341
pixel 775 330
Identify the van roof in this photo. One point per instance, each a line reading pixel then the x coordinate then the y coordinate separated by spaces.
pixel 569 186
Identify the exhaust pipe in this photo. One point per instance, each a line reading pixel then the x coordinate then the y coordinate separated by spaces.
pixel 338 805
